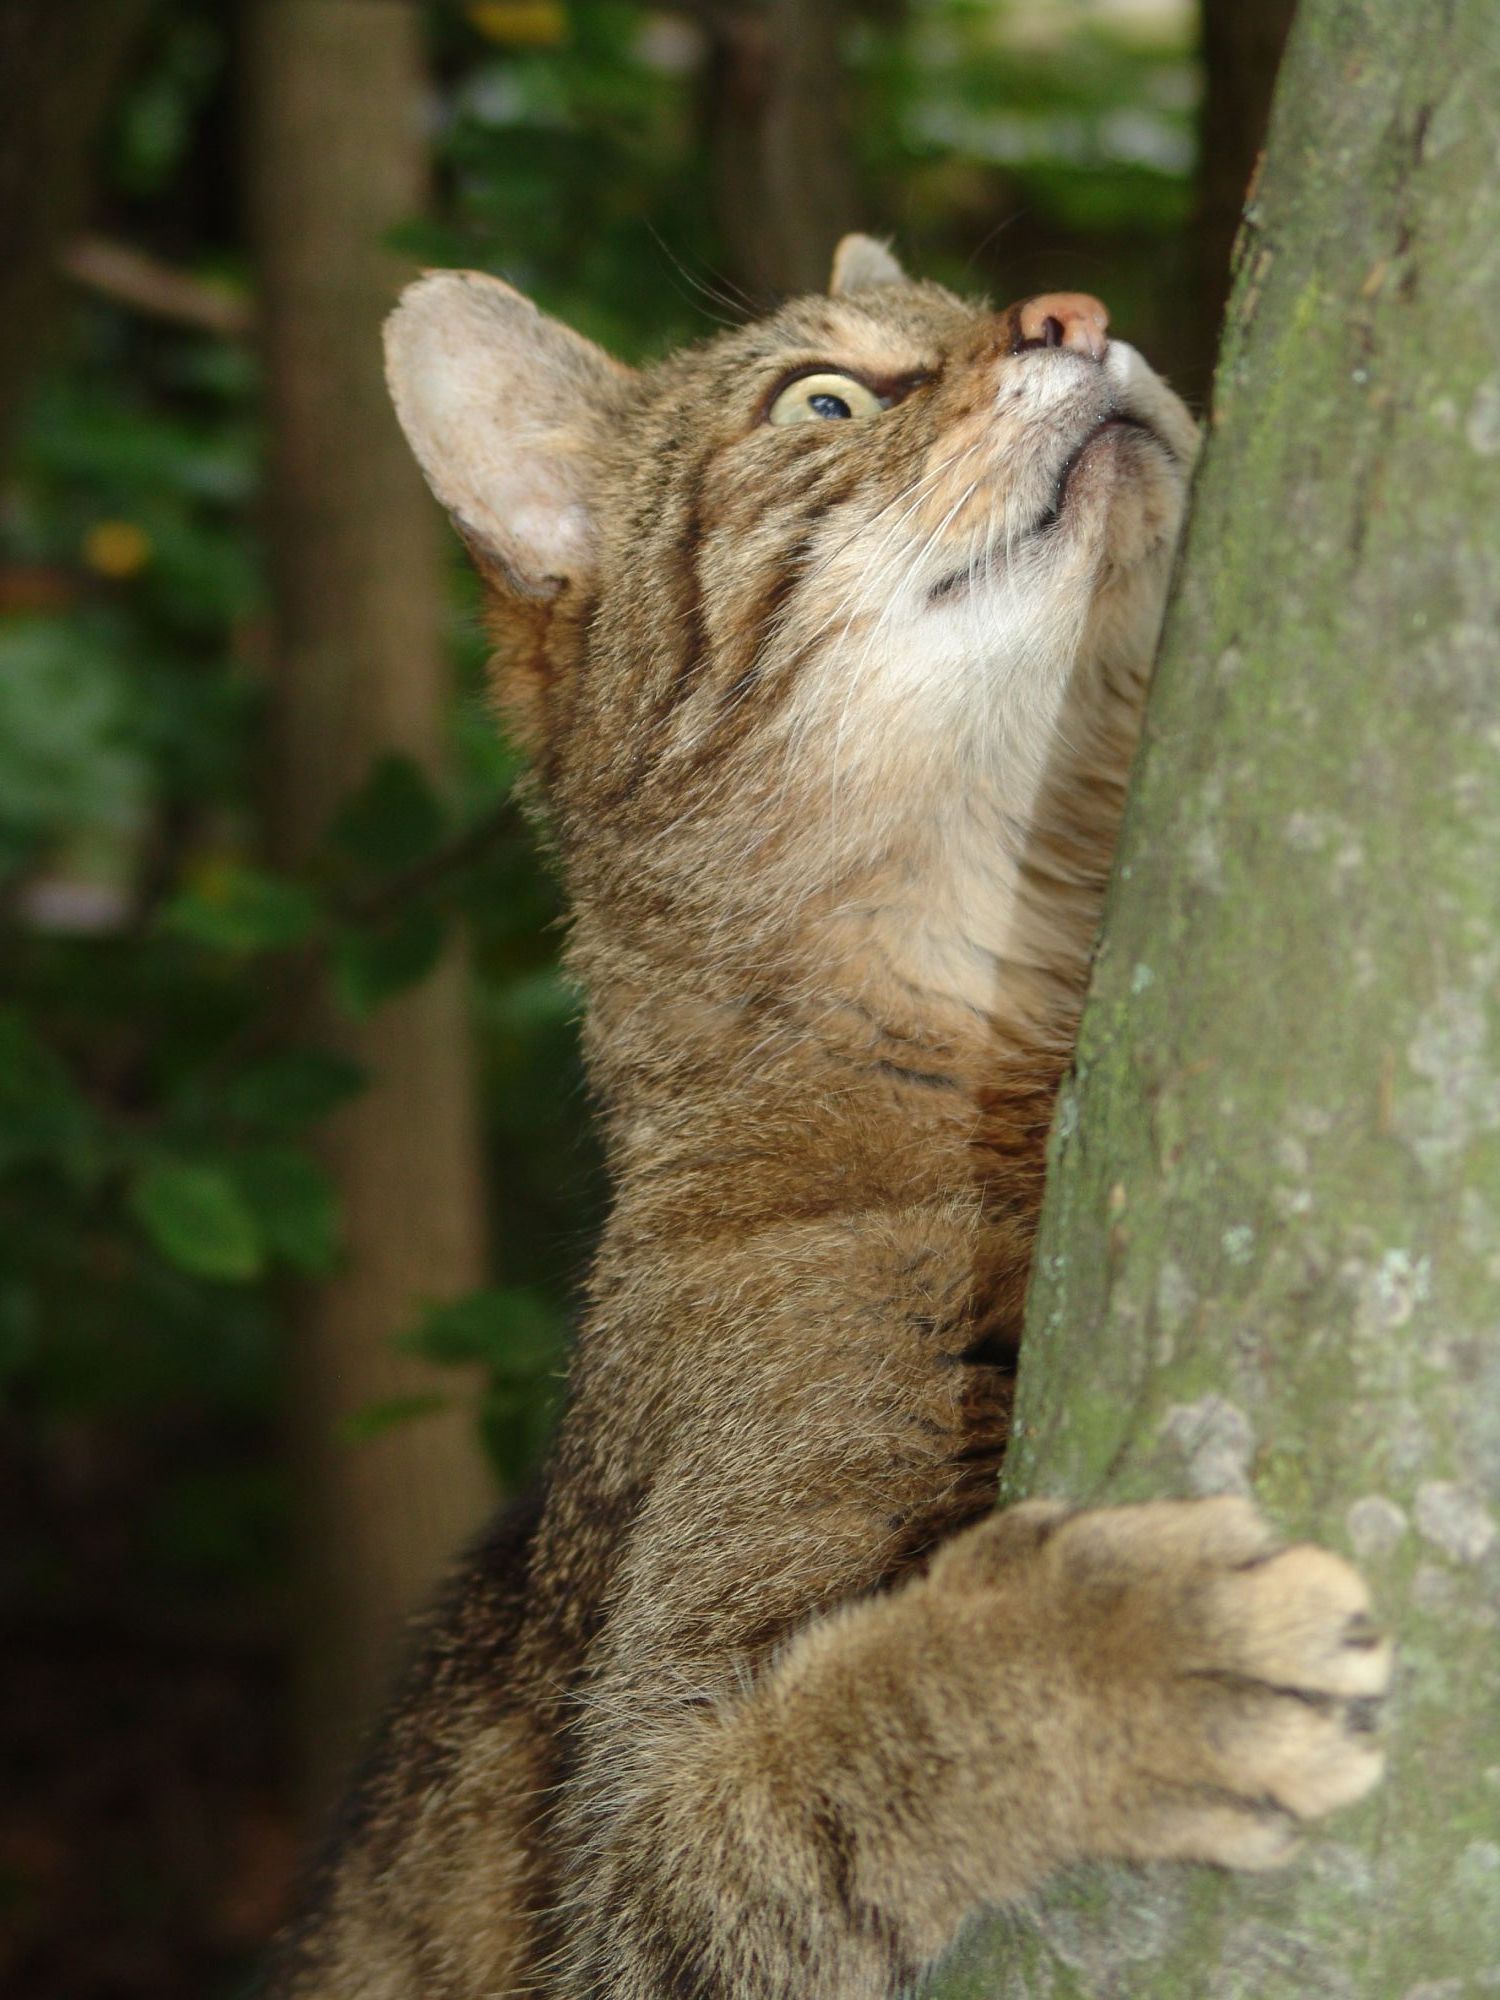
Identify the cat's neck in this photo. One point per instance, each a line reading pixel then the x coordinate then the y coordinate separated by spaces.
pixel 856 1022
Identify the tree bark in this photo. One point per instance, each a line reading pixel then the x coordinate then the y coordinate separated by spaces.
pixel 1242 45
pixel 336 159
pixel 58 66
pixel 1270 1256
pixel 778 133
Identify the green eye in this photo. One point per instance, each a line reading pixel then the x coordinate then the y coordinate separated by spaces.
pixel 823 398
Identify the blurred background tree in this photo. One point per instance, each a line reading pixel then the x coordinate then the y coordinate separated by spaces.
pixel 336 160
pixel 292 1137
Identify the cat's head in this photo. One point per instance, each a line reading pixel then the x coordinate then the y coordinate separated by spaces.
pixel 862 547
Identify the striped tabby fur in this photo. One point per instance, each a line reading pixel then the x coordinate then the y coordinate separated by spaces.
pixel 831 724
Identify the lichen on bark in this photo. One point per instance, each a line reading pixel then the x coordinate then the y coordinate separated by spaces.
pixel 1270 1255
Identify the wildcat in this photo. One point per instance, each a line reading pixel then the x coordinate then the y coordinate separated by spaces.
pixel 829 640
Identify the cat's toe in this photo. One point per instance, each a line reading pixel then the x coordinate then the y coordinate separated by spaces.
pixel 1284 1675
pixel 1307 1755
pixel 1241 1771
pixel 1199 1823
pixel 1236 1681
pixel 1169 1539
pixel 1299 1619
pixel 1253 1841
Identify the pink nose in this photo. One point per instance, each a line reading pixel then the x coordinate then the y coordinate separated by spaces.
pixel 1061 319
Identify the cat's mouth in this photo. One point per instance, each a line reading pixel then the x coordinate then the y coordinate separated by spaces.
pixel 1118 420
pixel 1050 515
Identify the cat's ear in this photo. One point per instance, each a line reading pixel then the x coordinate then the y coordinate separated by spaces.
pixel 861 262
pixel 504 408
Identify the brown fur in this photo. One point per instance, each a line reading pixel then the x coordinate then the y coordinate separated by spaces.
pixel 831 725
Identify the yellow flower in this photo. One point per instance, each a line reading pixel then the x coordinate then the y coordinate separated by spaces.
pixel 212 877
pixel 116 549
pixel 520 24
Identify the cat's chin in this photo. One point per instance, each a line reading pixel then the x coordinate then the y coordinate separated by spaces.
pixel 1142 508
pixel 1121 507
pixel 1117 504
pixel 1107 440
pixel 1111 498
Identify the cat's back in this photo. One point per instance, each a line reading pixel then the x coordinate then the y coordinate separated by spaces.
pixel 440 1812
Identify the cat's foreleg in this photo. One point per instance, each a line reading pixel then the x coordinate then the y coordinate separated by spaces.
pixel 1139 1682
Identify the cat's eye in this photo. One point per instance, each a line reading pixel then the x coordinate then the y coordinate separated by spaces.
pixel 823 397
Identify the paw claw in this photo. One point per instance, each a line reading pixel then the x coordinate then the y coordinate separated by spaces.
pixel 1362 1631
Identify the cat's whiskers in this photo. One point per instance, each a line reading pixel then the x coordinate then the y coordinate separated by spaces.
pixel 913 494
pixel 806 722
pixel 871 559
pixel 846 609
pixel 1010 729
pixel 895 602
pixel 742 305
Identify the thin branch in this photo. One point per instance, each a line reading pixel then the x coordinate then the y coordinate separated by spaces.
pixel 294 973
pixel 146 284
pixel 470 843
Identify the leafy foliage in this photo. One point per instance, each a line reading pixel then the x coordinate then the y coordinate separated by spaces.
pixel 198 1218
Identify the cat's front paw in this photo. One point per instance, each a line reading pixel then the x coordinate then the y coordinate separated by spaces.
pixel 1227 1685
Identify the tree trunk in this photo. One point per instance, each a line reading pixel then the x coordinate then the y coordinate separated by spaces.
pixel 337 160
pixel 778 131
pixel 1270 1258
pixel 1242 41
pixel 58 66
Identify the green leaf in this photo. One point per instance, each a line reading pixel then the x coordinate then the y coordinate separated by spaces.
pixel 393 819
pixel 198 1219
pixel 294 1089
pixel 244 909
pixel 43 1114
pixel 70 754
pixel 372 963
pixel 537 1000
pixel 509 1329
pixel 516 1427
pixel 294 1205
pixel 376 1418
pixel 20 1328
